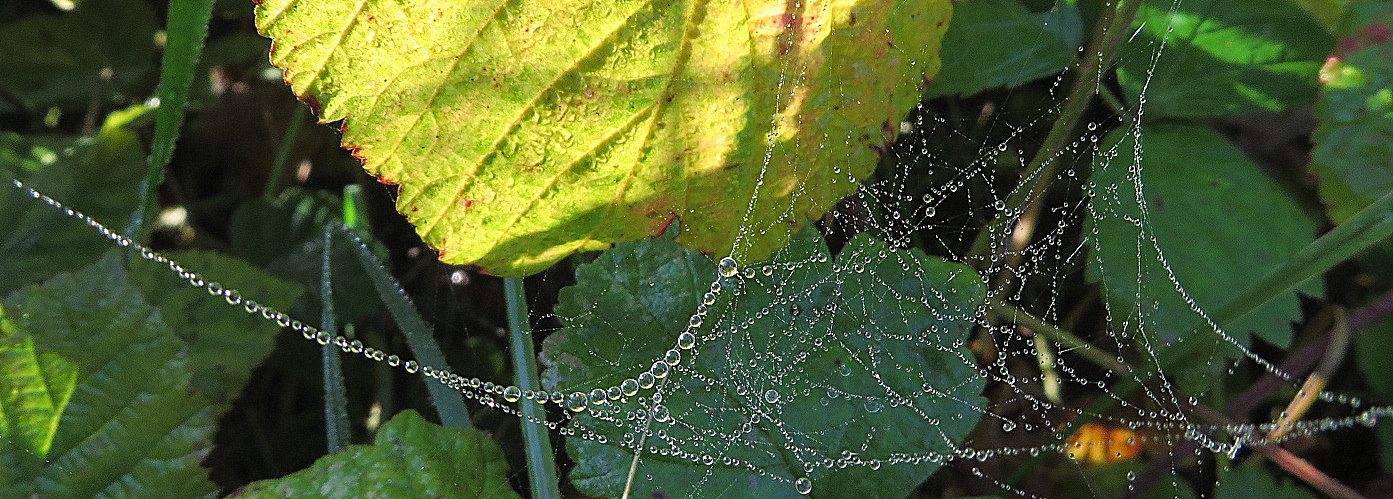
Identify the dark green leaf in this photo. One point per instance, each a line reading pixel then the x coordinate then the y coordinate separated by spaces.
pixel 996 43
pixel 410 457
pixel 99 175
pixel 1354 143
pixel 286 236
pixel 134 426
pixel 1251 480
pixel 1220 224
pixel 804 371
pixel 224 342
pixel 1222 56
pixel 59 60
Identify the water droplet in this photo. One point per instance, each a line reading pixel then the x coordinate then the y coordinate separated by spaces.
pixel 660 369
pixel 727 267
pixel 873 406
pixel 512 394
pixel 629 387
pixel 794 310
pixel 771 396
pixel 804 485
pixel 660 414
pixel 673 357
pixel 576 402
pixel 999 205
pixel 686 340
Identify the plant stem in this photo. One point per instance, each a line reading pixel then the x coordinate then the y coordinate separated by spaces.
pixel 541 463
pixel 186 31
pixel 287 145
pixel 1024 203
pixel 336 429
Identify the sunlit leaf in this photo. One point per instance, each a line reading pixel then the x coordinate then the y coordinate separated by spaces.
pixel 34 389
pixel 410 457
pixel 819 392
pixel 521 132
pixel 1222 56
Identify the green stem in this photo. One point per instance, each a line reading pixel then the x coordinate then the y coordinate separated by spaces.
pixel 1025 201
pixel 541 463
pixel 287 145
pixel 336 429
pixel 449 404
pixel 186 31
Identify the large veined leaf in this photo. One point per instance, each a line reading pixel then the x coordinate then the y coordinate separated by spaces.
pixel 1354 143
pixel 1220 224
pixel 1222 56
pixel 775 385
pixel 521 132
pixel 409 457
pixel 134 427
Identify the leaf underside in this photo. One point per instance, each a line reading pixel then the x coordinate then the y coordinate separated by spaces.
pixel 522 132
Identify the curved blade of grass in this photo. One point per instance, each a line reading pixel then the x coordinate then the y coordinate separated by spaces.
pixel 541 466
pixel 448 403
pixel 186 30
pixel 335 395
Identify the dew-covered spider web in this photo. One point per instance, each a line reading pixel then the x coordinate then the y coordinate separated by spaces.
pixel 1027 306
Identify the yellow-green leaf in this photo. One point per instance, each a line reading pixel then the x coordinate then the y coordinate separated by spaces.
pixel 521 132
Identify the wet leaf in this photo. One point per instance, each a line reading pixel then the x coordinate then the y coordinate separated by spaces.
pixel 1220 224
pixel 522 132
pixel 777 380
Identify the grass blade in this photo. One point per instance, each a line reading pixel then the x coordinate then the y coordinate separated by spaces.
pixel 185 33
pixel 541 466
pixel 448 403
pixel 336 429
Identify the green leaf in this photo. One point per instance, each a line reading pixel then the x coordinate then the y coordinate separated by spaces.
pixel 521 132
pixel 224 343
pixel 1220 224
pixel 1251 480
pixel 34 389
pixel 804 371
pixel 98 175
pixel 1354 142
pixel 59 59
pixel 1222 56
pixel 134 426
pixel 998 43
pixel 410 457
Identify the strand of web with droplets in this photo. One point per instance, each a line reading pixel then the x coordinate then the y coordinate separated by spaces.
pixel 486 392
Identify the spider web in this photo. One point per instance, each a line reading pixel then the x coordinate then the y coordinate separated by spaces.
pixel 924 322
